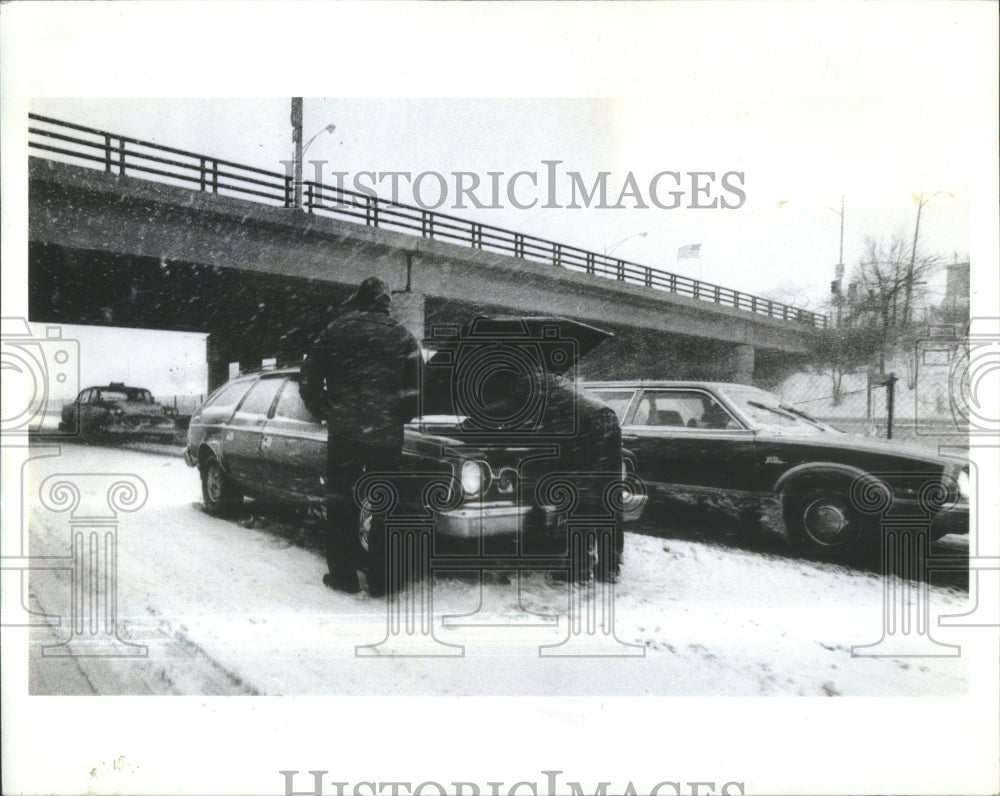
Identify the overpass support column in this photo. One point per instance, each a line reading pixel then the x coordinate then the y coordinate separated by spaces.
pixel 409 309
pixel 218 361
pixel 741 364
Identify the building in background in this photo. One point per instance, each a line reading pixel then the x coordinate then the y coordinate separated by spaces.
pixel 955 306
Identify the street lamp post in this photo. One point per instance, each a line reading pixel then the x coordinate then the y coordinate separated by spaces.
pixel 297 141
pixel 921 200
pixel 300 150
pixel 838 292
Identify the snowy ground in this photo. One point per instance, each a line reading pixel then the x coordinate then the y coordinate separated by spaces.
pixel 236 606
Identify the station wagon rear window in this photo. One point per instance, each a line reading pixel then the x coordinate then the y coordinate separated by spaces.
pixel 290 405
pixel 259 401
pixel 221 405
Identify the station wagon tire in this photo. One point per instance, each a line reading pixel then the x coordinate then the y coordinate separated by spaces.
pixel 220 495
pixel 372 541
pixel 822 520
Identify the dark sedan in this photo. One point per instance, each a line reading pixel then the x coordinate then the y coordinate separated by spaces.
pixel 116 412
pixel 506 454
pixel 745 444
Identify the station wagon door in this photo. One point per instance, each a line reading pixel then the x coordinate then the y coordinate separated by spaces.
pixel 293 450
pixel 242 440
pixel 685 441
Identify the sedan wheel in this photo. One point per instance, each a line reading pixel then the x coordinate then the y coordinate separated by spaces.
pixel 823 520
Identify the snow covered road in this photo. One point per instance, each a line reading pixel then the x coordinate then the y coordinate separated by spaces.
pixel 236 606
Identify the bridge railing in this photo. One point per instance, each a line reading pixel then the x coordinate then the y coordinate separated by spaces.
pixel 125 156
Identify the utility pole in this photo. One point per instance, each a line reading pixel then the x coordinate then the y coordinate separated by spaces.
pixel 839 271
pixel 913 260
pixel 297 141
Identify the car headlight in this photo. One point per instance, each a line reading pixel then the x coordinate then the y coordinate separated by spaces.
pixel 507 481
pixel 474 478
pixel 963 484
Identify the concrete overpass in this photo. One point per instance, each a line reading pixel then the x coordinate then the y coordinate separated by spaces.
pixel 110 248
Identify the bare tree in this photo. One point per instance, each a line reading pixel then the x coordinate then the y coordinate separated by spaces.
pixel 886 283
pixel 838 351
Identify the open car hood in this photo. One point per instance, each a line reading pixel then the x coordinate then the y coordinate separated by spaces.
pixel 491 368
pixel 581 337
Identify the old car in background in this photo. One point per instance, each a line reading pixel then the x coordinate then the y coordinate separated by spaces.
pixel 117 412
pixel 745 444
pixel 504 454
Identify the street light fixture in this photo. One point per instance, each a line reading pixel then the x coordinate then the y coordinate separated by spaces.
pixel 328 129
pixel 609 249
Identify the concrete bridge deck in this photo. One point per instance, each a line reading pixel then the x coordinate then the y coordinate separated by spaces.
pixel 95 230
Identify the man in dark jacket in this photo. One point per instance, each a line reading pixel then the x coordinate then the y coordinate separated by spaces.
pixel 360 377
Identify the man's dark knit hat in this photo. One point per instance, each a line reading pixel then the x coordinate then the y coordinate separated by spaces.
pixel 368 292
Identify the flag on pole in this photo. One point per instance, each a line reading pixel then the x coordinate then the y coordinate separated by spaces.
pixel 686 252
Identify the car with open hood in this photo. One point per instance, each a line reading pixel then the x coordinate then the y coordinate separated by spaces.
pixel 737 442
pixel 117 412
pixel 505 453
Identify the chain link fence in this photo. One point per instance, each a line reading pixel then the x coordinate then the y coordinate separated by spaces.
pixel 889 405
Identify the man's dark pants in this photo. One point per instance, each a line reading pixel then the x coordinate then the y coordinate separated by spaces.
pixel 346 461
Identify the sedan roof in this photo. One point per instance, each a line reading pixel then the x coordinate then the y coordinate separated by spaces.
pixel 634 384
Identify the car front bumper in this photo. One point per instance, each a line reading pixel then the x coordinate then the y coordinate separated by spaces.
pixel 954 521
pixel 491 519
pixel 139 430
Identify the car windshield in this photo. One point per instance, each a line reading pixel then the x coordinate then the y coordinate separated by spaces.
pixel 131 395
pixel 140 397
pixel 767 411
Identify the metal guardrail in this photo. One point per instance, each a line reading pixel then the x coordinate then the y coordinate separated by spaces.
pixel 124 156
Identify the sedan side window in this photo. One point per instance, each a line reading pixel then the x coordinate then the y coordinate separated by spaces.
pixel 618 400
pixel 684 409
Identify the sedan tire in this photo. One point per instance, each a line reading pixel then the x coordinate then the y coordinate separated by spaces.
pixel 823 520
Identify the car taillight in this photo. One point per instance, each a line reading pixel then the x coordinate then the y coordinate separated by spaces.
pixel 474 478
